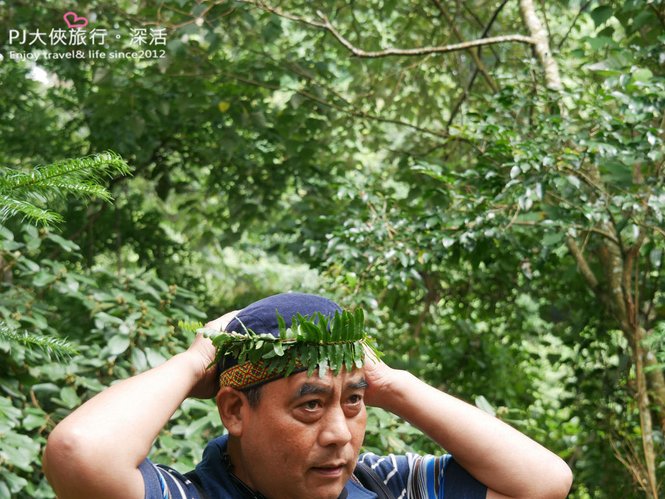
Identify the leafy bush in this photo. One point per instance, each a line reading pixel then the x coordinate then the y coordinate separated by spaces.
pixel 121 323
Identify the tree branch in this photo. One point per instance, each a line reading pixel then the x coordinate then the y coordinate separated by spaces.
pixel 541 45
pixel 460 101
pixel 353 112
pixel 626 283
pixel 328 26
pixel 423 50
pixel 572 25
pixel 582 264
pixel 347 108
pixel 474 55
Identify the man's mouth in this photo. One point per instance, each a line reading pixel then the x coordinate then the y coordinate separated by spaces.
pixel 331 470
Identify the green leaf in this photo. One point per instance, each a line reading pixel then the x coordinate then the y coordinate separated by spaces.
pixel 4 489
pixel 642 75
pixel 118 344
pixel 337 324
pixel 69 397
pixel 139 360
pixel 323 366
pixel 154 357
pixel 483 404
pixel 574 181
pixel 15 483
pixel 359 323
pixel 32 421
pixel 601 14
pixel 43 278
pixel 65 244
pixel 5 233
pixel 552 239
pixel 282 326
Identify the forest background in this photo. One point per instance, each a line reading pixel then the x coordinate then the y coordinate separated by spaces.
pixel 484 178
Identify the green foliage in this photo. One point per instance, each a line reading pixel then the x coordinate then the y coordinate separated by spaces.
pixel 436 196
pixel 24 324
pixel 120 323
pixel 22 193
pixel 57 348
pixel 314 342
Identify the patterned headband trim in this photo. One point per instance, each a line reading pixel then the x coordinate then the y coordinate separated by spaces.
pixel 246 375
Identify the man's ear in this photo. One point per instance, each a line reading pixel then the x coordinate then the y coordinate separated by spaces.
pixel 233 408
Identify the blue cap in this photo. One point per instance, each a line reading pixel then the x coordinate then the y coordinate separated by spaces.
pixel 261 316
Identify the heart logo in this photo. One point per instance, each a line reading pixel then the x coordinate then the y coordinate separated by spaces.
pixel 74 21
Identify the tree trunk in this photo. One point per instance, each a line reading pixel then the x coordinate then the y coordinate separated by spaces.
pixel 6 275
pixel 656 385
pixel 619 266
pixel 621 305
pixel 646 424
pixel 542 45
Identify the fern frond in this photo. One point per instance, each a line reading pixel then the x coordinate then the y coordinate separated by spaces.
pixel 189 327
pixel 314 342
pixel 57 348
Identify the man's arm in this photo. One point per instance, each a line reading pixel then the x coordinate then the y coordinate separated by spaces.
pixel 96 450
pixel 509 463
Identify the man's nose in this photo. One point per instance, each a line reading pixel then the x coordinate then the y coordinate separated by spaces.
pixel 335 429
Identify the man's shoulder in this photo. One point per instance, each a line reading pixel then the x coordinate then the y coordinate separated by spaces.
pixel 416 475
pixel 392 471
pixel 209 479
pixel 400 463
pixel 164 482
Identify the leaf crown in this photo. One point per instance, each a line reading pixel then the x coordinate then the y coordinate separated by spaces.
pixel 313 342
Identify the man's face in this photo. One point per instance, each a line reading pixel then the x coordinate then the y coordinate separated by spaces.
pixel 303 438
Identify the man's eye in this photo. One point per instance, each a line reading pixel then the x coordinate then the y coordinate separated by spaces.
pixel 355 399
pixel 312 405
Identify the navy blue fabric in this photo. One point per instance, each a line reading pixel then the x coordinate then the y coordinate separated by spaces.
pixel 461 485
pixel 403 475
pixel 214 477
pixel 261 316
pixel 151 480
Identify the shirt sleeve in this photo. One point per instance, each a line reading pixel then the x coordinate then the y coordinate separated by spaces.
pixel 163 482
pixel 425 477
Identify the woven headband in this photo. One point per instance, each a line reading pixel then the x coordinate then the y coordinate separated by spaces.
pixel 247 375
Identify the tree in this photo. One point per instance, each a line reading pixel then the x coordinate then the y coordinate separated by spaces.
pixel 423 157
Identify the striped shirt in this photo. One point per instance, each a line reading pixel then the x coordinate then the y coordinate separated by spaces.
pixel 416 476
pixel 409 476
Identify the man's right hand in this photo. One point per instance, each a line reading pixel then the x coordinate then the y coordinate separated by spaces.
pixel 203 352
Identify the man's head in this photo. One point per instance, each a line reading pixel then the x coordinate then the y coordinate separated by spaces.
pixel 301 436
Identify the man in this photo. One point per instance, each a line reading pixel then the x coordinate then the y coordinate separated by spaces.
pixel 291 437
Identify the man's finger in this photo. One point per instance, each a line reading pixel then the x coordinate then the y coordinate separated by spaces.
pixel 220 323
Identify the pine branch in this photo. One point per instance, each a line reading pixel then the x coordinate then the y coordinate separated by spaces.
pixel 57 348
pixel 83 190
pixel 21 192
pixel 93 168
pixel 11 207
